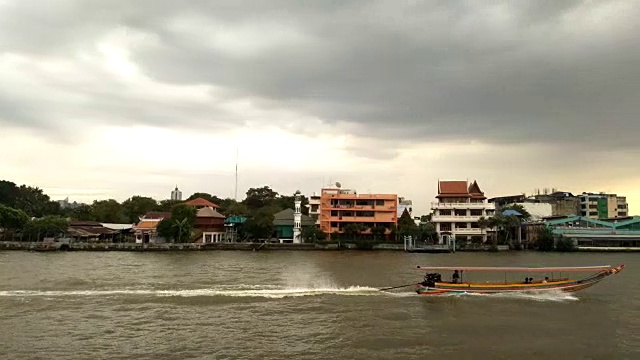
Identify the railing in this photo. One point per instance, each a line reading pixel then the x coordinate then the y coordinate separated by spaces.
pixel 439 205
pixel 364 207
pixel 469 231
pixel 454 218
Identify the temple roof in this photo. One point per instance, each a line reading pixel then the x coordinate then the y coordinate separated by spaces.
pixel 209 212
pixel 201 202
pixel 447 188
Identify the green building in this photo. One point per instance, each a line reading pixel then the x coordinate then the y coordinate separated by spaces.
pixel 589 232
pixel 283 223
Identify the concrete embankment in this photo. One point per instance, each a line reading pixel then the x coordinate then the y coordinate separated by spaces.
pixel 607 249
pixel 82 246
pixel 78 246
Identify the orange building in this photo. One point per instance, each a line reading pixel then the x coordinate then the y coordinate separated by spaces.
pixel 340 207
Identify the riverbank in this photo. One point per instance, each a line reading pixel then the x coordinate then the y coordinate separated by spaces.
pixel 77 246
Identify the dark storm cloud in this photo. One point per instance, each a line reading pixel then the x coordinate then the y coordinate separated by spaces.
pixel 544 71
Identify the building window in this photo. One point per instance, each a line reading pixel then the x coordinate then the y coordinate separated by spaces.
pixel 380 202
pixel 476 212
pixel 445 212
pixel 461 212
pixel 445 227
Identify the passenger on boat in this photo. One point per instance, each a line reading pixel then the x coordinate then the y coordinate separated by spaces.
pixel 455 278
pixel 546 278
pixel 527 280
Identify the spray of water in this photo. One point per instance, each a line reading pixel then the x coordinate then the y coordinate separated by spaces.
pixel 274 292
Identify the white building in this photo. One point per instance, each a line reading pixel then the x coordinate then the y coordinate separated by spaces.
pixel 314 208
pixel 458 209
pixel 297 218
pixel 537 210
pixel 176 195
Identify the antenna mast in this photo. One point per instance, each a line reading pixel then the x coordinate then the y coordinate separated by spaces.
pixel 235 197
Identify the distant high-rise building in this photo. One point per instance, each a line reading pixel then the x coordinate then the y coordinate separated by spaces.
pixel 176 195
pixel 603 206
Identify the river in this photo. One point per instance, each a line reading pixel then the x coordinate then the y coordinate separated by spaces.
pixel 301 305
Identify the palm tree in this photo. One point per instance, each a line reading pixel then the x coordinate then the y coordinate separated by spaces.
pixel 182 225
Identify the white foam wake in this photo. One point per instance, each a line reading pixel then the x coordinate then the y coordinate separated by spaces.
pixel 547 295
pixel 219 291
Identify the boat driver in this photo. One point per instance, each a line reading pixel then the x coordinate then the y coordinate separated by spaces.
pixel 455 278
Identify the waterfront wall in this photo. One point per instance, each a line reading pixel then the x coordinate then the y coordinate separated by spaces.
pixel 78 246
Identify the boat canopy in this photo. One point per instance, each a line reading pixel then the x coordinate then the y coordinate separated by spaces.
pixel 520 269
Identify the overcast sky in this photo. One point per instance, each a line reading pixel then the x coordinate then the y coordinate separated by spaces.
pixel 108 99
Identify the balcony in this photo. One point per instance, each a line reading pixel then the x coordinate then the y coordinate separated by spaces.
pixel 453 206
pixel 468 231
pixel 363 207
pixel 453 218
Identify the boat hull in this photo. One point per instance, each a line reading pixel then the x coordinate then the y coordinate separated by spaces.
pixel 565 285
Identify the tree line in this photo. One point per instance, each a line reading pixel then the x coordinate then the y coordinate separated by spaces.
pixel 31 212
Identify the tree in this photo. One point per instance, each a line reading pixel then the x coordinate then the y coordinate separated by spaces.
pixel 258 198
pixel 8 193
pixel 354 230
pixel 427 232
pixel 545 239
pixel 11 220
pixel 260 225
pixel 378 232
pixel 565 244
pixel 29 199
pixel 136 206
pixel 83 212
pixel 519 208
pixel 180 225
pixel 48 226
pixel 312 234
pixel 426 218
pixel 167 205
pixel 212 198
pixel 230 207
pixel 288 202
pixel 407 226
pixel 108 211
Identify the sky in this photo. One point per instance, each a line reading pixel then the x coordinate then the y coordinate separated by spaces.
pixel 109 99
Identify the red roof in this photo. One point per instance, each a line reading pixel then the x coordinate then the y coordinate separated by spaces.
pixel 459 189
pixel 453 189
pixel 201 202
pixel 475 191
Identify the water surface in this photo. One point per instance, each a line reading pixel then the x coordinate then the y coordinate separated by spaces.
pixel 301 305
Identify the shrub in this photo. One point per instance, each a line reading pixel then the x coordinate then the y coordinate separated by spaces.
pixel 564 244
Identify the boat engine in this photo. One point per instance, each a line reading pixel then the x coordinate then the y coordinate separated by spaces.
pixel 431 279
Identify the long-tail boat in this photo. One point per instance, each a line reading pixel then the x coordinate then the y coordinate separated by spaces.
pixel 433 283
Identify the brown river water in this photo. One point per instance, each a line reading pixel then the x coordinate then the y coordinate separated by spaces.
pixel 302 305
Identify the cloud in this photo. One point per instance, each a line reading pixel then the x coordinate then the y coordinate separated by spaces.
pixel 427 89
pixel 502 72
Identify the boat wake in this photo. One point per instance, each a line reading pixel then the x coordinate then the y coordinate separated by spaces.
pixel 271 292
pixel 264 291
pixel 557 296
